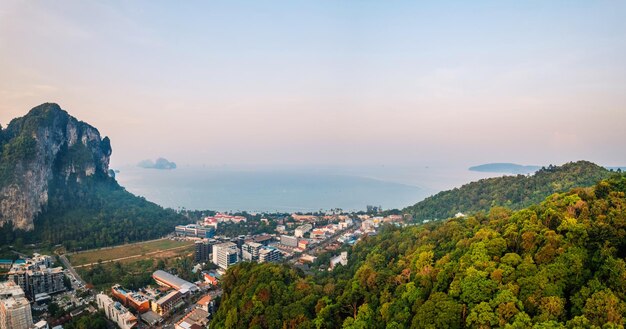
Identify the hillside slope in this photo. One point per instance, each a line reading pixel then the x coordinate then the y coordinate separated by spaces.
pixel 557 264
pixel 55 186
pixel 514 192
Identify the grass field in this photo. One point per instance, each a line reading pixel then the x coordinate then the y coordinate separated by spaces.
pixel 151 249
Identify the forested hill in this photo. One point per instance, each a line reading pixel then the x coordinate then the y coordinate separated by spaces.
pixel 513 192
pixel 557 264
pixel 55 187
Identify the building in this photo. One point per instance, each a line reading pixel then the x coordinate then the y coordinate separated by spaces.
pixel 263 239
pixel 341 259
pixel 203 250
pixel 300 230
pixel 164 305
pixel 169 280
pixel 346 223
pixel 5 264
pixel 225 254
pixel 318 234
pixel 134 300
pixel 281 228
pixel 288 240
pixel 195 319
pixel 269 254
pixel 15 312
pixel 210 278
pixel 303 244
pixel 36 275
pixel 195 231
pixel 205 303
pixel 116 312
pixel 250 251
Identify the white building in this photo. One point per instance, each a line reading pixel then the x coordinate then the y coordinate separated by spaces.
pixel 225 254
pixel 300 230
pixel 341 259
pixel 115 312
pixel 15 310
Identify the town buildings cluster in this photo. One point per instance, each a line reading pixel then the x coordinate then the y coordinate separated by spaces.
pixel 29 280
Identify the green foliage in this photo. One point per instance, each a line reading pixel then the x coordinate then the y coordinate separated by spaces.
pixel 558 264
pixel 513 192
pixel 95 213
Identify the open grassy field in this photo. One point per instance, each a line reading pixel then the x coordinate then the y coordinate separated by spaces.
pixel 132 252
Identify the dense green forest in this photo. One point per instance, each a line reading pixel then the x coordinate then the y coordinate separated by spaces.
pixel 513 192
pixel 94 213
pixel 556 264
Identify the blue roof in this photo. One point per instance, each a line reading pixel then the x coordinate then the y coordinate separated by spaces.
pixel 6 261
pixel 20 261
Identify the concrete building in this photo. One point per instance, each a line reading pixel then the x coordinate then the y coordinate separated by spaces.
pixel 341 259
pixel 195 319
pixel 134 300
pixel 250 251
pixel 269 254
pixel 225 254
pixel 290 241
pixel 36 276
pixel 15 312
pixel 116 312
pixel 203 250
pixel 169 280
pixel 205 303
pixel 164 305
pixel 300 230
pixel 195 231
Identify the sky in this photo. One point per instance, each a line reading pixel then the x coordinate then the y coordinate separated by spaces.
pixel 327 82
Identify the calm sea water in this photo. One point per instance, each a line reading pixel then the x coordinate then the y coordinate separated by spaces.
pixel 288 190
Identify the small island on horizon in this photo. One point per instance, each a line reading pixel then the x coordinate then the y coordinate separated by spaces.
pixel 505 168
pixel 160 163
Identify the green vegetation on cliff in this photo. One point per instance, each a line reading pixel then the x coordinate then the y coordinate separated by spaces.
pixel 513 192
pixel 556 264
pixel 55 187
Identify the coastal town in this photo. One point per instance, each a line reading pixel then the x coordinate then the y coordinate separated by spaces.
pixel 47 291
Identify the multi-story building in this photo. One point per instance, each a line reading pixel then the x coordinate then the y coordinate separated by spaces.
pixel 169 280
pixel 300 230
pixel 250 251
pixel 203 250
pixel 164 305
pixel 269 254
pixel 196 318
pixel 15 310
pixel 116 312
pixel 225 254
pixel 134 300
pixel 36 276
pixel 288 240
pixel 195 231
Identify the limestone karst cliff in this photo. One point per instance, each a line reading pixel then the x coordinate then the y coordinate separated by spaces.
pixel 45 146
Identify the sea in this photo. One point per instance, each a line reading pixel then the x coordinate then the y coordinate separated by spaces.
pixel 292 189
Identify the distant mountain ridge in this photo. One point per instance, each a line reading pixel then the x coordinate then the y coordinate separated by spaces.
pixel 514 192
pixel 55 186
pixel 507 168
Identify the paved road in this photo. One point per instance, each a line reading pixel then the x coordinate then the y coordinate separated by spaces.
pixel 71 269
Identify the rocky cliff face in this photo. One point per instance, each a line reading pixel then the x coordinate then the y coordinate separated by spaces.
pixel 46 145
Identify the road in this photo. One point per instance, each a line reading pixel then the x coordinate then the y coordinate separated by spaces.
pixel 71 269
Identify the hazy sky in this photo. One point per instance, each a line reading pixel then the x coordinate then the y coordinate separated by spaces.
pixel 327 82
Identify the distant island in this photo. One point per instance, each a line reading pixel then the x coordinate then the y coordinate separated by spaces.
pixel 160 163
pixel 507 168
